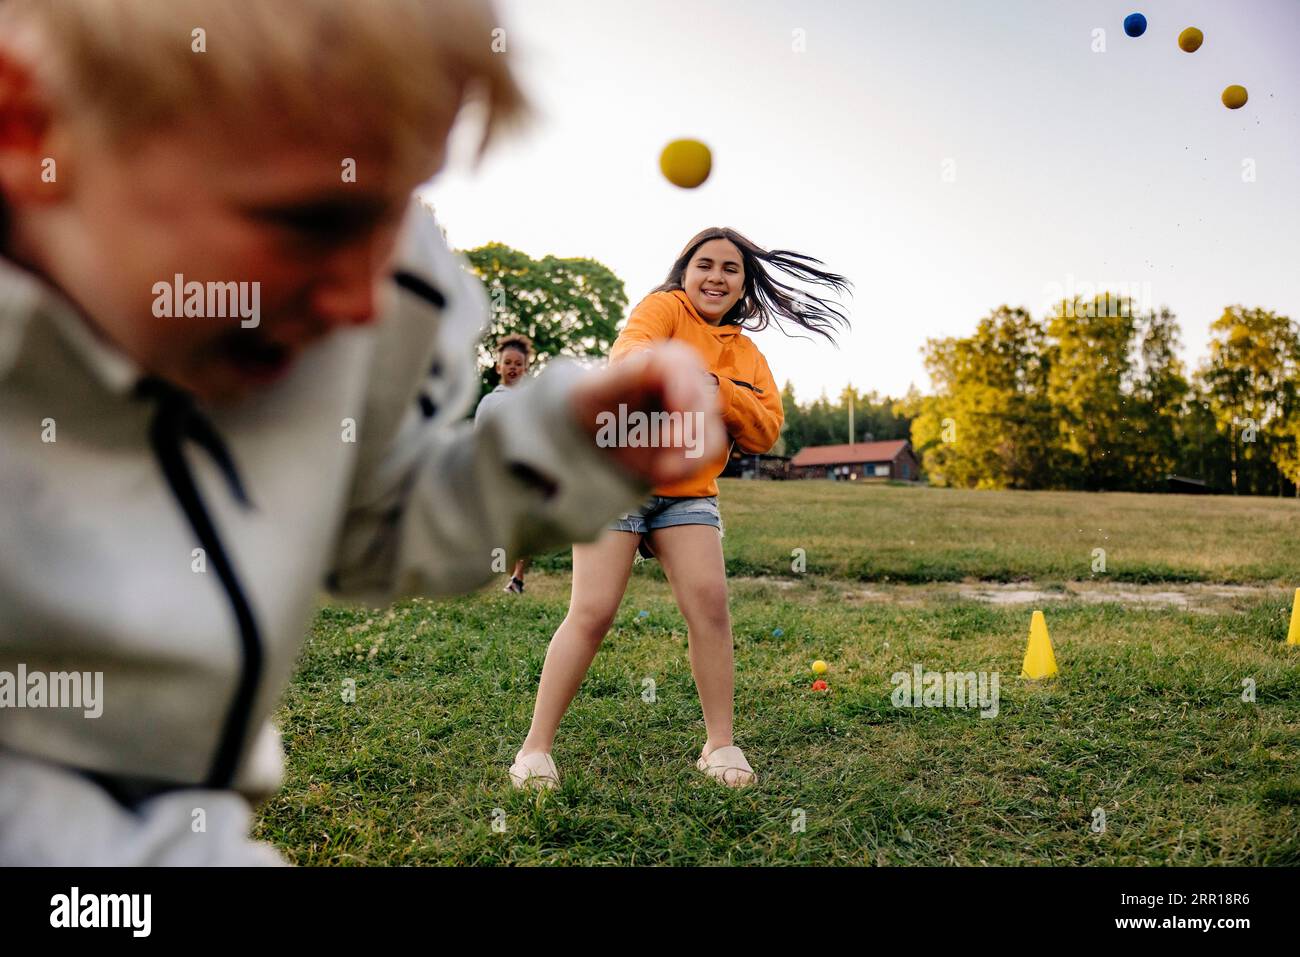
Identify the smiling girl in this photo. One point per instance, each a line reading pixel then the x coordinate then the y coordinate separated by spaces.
pixel 718 289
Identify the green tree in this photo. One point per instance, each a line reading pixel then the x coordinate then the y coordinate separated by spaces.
pixel 1159 404
pixel 1287 453
pixel 1090 387
pixel 1097 398
pixel 569 307
pixel 989 424
pixel 792 429
pixel 1204 452
pixel 926 431
pixel 1250 384
pixel 875 419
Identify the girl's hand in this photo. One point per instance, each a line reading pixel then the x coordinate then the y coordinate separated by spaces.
pixel 665 377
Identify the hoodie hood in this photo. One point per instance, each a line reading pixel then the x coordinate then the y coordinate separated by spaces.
pixel 725 332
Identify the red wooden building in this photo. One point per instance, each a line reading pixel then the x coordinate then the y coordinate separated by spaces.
pixel 860 461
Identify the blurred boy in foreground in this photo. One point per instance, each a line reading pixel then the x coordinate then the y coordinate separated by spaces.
pixel 216 318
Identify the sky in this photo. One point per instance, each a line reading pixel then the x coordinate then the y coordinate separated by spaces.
pixel 948 156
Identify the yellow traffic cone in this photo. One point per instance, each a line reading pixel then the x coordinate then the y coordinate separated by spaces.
pixel 1040 662
pixel 1293 636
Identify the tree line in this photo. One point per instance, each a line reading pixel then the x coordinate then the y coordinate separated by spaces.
pixel 875 418
pixel 1095 397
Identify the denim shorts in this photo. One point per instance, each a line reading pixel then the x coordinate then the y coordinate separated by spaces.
pixel 664 512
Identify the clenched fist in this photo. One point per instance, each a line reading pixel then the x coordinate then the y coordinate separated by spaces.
pixel 666 377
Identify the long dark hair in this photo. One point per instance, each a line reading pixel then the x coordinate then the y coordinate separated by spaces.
pixel 764 298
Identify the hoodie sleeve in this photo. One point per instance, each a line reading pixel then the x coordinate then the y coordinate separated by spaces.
pixel 437 503
pixel 448 505
pixel 651 321
pixel 753 412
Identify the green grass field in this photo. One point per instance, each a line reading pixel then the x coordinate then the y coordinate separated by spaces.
pixel 1146 721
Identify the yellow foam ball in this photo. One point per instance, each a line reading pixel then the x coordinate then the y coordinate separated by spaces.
pixel 686 163
pixel 1190 40
pixel 819 667
pixel 1234 97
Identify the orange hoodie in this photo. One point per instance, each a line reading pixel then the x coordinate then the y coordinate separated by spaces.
pixel 747 395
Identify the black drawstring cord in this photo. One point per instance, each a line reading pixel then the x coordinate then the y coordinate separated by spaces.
pixel 177 416
pixel 433 296
pixel 421 288
pixel 178 419
pixel 175 420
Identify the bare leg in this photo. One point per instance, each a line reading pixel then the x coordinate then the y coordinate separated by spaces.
pixel 600 573
pixel 521 566
pixel 691 556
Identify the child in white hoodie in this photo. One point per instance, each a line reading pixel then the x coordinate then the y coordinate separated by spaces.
pixel 234 366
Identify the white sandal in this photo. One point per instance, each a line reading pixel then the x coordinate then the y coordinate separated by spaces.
pixel 535 769
pixel 728 765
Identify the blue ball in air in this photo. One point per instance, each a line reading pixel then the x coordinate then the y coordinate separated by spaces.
pixel 1135 24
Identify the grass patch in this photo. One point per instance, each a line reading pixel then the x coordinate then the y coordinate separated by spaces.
pixel 1145 722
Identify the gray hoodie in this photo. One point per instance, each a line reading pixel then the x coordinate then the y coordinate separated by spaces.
pixel 104 567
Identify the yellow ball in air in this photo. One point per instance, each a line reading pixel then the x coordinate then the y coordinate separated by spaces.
pixel 1234 97
pixel 1190 40
pixel 819 667
pixel 686 163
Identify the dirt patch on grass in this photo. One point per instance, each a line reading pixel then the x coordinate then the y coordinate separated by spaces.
pixel 1189 597
pixel 1192 597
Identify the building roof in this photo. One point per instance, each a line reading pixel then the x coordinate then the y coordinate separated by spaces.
pixel 848 454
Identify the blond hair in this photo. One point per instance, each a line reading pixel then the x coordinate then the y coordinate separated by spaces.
pixel 386 69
